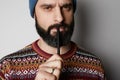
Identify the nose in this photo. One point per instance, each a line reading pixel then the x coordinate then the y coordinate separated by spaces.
pixel 58 15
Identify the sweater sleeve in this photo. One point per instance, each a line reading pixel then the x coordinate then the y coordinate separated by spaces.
pixel 4 68
pixel 1 72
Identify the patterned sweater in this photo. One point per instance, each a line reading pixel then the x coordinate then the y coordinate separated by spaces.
pixel 23 64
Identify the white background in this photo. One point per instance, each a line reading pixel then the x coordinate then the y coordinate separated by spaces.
pixel 97 29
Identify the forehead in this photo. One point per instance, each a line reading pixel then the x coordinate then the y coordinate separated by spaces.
pixel 54 1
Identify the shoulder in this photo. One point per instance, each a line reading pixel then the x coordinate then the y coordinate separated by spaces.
pixel 88 62
pixel 80 51
pixel 87 57
pixel 26 51
pixel 84 52
pixel 15 59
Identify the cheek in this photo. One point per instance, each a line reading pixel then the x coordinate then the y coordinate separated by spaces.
pixel 68 18
pixel 44 21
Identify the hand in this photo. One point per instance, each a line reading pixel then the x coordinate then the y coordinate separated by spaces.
pixel 51 69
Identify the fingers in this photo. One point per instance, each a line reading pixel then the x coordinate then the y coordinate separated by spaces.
pixel 55 57
pixel 43 75
pixel 53 64
pixel 47 69
pixel 57 72
pixel 51 69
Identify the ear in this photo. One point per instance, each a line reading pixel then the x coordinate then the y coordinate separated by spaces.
pixel 35 16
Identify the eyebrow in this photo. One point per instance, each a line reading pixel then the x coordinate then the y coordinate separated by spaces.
pixel 47 4
pixel 67 4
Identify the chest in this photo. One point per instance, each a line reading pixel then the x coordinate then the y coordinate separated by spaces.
pixel 27 69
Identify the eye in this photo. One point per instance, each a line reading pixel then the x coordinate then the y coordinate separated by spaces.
pixel 47 8
pixel 67 7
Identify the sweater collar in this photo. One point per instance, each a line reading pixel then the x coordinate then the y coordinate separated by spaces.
pixel 47 55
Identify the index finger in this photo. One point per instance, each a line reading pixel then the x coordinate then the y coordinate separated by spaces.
pixel 52 64
pixel 55 57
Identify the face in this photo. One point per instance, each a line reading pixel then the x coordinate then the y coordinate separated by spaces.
pixel 50 14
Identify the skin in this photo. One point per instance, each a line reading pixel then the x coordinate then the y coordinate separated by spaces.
pixel 45 70
pixel 49 12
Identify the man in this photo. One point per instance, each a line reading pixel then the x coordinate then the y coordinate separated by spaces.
pixel 39 60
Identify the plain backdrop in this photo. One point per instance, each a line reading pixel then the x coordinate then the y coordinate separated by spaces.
pixel 97 28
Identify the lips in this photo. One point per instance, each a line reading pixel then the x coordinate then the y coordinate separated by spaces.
pixel 53 31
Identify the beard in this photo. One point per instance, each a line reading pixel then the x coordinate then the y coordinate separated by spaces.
pixel 65 36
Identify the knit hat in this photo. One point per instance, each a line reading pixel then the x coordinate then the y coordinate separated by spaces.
pixel 32 4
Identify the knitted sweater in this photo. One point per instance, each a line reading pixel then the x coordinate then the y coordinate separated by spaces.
pixel 23 64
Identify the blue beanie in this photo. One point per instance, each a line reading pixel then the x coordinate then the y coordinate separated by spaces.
pixel 32 4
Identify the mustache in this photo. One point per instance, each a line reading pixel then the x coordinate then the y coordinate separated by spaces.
pixel 64 25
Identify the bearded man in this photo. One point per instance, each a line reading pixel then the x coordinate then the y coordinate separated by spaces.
pixel 54 22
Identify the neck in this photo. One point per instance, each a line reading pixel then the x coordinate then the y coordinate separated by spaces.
pixel 51 50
